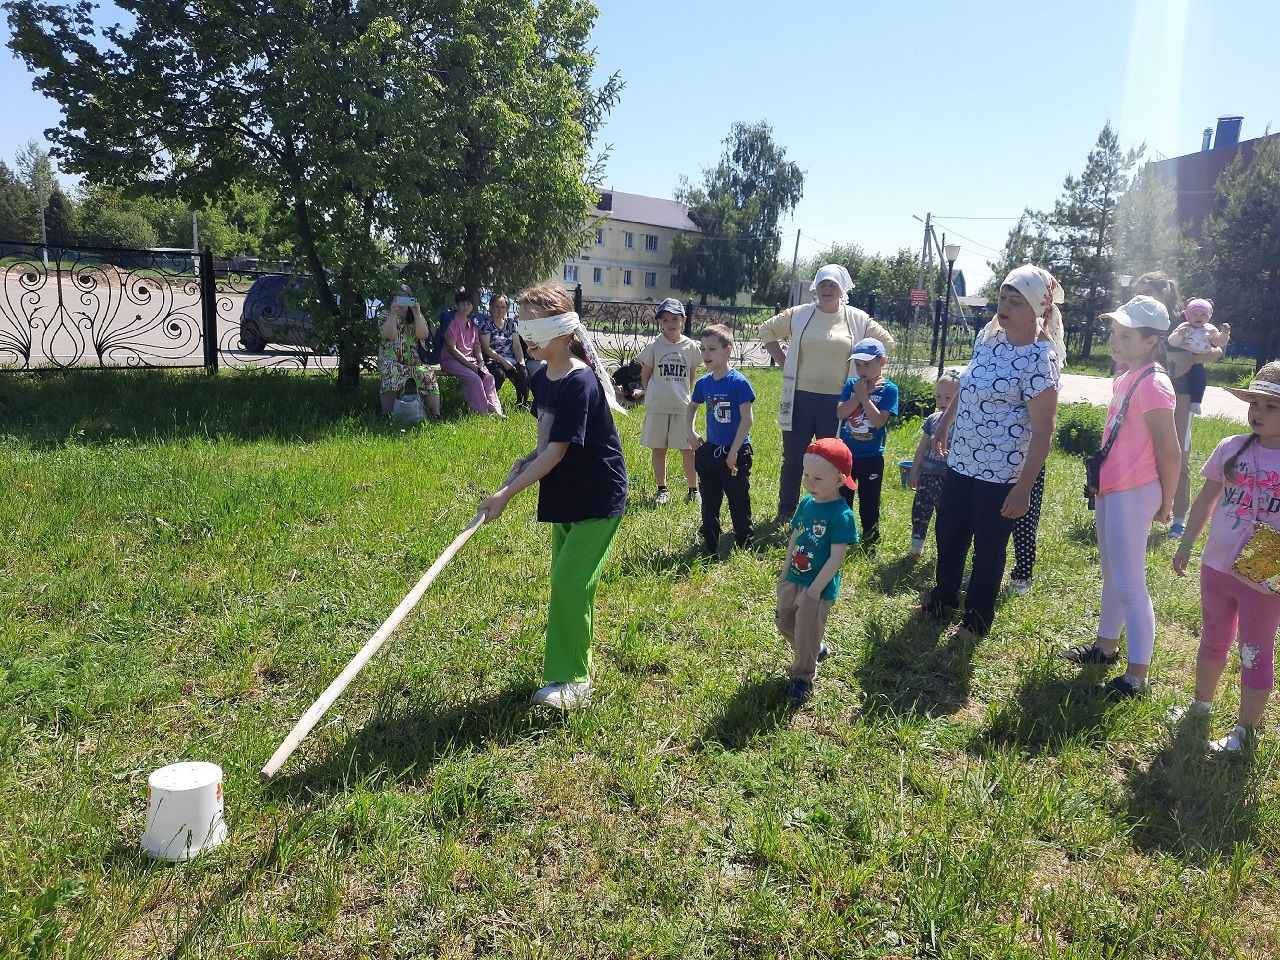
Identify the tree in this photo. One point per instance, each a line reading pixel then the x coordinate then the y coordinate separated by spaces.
pixel 1242 238
pixel 1147 235
pixel 356 115
pixel 113 227
pixel 61 219
pixel 19 210
pixel 1084 218
pixel 1029 242
pixel 737 210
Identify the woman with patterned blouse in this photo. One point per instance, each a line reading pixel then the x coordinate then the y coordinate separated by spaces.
pixel 398 362
pixel 1003 416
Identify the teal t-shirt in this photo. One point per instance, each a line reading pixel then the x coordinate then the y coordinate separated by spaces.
pixel 818 526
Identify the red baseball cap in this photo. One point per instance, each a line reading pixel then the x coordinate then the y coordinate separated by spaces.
pixel 833 450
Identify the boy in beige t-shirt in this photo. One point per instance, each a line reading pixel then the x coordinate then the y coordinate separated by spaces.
pixel 668 367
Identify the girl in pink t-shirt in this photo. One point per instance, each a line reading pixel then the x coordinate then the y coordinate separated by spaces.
pixel 1137 483
pixel 1242 491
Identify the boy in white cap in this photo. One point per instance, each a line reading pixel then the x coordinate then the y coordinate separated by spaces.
pixel 668 367
pixel 866 404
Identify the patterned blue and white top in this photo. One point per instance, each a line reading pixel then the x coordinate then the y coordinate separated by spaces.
pixel 993 426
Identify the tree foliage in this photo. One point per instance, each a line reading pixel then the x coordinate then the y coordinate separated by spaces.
pixel 19 209
pixel 1242 243
pixel 444 126
pixel 737 209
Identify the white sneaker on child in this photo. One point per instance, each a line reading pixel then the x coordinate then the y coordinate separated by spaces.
pixel 1234 742
pixel 1196 708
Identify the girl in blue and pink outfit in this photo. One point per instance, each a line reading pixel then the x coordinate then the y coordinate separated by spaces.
pixel 1137 482
pixel 1238 597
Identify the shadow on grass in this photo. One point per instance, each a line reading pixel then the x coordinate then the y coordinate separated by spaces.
pixel 757 707
pixel 670 559
pixel 1048 710
pixel 922 667
pixel 49 409
pixel 889 576
pixel 402 743
pixel 1193 804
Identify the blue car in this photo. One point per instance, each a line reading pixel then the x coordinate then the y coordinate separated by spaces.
pixel 267 319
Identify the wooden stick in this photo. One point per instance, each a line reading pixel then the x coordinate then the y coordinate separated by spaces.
pixel 334 690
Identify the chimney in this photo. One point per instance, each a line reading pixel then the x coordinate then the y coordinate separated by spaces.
pixel 1228 132
pixel 1208 137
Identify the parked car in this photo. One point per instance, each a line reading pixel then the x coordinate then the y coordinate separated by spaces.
pixel 266 318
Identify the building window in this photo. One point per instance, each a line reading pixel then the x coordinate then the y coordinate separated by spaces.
pixel 599 236
pixel 628 240
pixel 650 242
pixel 650 280
pixel 570 273
pixel 597 275
pixel 626 276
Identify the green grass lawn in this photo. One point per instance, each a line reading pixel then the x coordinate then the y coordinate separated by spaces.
pixel 189 560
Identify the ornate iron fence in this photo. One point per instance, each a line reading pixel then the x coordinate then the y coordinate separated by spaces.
pixel 66 306
pixel 623 328
pixel 75 306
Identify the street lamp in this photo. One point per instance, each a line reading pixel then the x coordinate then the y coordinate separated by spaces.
pixel 952 252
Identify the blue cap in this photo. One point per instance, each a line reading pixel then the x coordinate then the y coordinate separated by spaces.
pixel 670 305
pixel 868 348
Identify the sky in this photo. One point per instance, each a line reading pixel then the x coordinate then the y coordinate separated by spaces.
pixel 969 111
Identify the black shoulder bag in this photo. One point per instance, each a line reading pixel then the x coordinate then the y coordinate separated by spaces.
pixel 1093 462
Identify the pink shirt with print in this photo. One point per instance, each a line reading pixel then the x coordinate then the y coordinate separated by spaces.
pixel 1257 476
pixel 1132 460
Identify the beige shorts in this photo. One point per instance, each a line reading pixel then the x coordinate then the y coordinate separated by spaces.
pixel 665 430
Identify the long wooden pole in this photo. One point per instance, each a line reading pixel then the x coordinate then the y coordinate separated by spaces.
pixel 334 690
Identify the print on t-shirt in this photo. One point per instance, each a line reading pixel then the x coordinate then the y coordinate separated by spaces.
pixel 1238 496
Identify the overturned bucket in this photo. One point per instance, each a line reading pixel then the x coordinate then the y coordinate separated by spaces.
pixel 184 811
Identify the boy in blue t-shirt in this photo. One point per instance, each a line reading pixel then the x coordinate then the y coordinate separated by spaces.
pixel 823 528
pixel 724 461
pixel 866 404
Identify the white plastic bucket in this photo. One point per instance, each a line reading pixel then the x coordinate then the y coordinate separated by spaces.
pixel 184 811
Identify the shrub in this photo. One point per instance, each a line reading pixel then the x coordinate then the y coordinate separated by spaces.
pixel 1080 427
pixel 915 396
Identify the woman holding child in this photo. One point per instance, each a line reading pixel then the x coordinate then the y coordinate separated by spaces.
pixel 815 368
pixel 1003 417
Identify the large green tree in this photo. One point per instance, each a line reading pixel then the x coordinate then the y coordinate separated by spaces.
pixel 61 219
pixel 1084 218
pixel 19 208
pixel 1242 240
pixel 737 209
pixel 359 115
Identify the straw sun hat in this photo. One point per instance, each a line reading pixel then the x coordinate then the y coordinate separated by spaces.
pixel 1265 384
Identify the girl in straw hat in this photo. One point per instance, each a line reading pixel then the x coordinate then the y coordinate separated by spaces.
pixel 1240 565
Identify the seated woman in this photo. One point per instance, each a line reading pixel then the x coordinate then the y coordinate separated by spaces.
pixel 462 358
pixel 398 360
pixel 504 355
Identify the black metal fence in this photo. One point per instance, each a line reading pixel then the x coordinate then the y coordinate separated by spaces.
pixel 78 306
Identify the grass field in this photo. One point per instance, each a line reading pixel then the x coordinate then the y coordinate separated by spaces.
pixel 188 561
pixel 1224 373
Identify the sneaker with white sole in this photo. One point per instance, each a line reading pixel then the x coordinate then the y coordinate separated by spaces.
pixel 1020 587
pixel 1197 408
pixel 1238 740
pixel 693 496
pixel 566 695
pixel 1177 529
pixel 663 497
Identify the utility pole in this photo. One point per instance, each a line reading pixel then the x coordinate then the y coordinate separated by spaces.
pixel 795 259
pixel 924 259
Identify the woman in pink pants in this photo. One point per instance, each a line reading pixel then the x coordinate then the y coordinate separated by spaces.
pixel 463 358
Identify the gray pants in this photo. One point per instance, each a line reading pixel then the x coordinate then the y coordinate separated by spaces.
pixel 813 416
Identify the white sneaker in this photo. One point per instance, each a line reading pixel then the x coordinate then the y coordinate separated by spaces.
pixel 663 497
pixel 1195 408
pixel 564 696
pixel 1196 708
pixel 1233 742
pixel 1020 587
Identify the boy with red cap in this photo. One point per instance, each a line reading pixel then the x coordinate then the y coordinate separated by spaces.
pixel 823 529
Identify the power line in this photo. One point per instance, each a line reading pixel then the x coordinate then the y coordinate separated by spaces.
pixel 976 243
pixel 943 217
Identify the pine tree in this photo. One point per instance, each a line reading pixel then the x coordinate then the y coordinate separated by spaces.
pixel 61 219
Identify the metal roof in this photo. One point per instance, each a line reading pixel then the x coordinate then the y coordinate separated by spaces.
pixel 653 211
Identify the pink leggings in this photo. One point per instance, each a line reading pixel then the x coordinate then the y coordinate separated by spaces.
pixel 480 393
pixel 1227 603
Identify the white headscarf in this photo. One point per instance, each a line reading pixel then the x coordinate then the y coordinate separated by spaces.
pixel 1044 293
pixel 543 330
pixel 833 271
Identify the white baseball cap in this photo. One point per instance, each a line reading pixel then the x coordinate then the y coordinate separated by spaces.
pixel 1141 311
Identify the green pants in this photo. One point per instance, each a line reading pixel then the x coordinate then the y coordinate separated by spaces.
pixel 578 552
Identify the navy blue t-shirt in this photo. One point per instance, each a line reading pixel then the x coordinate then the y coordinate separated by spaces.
pixel 724 399
pixel 590 483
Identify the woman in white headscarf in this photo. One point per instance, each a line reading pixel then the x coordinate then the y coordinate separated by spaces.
pixel 1003 418
pixel 815 367
pixel 1027 526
